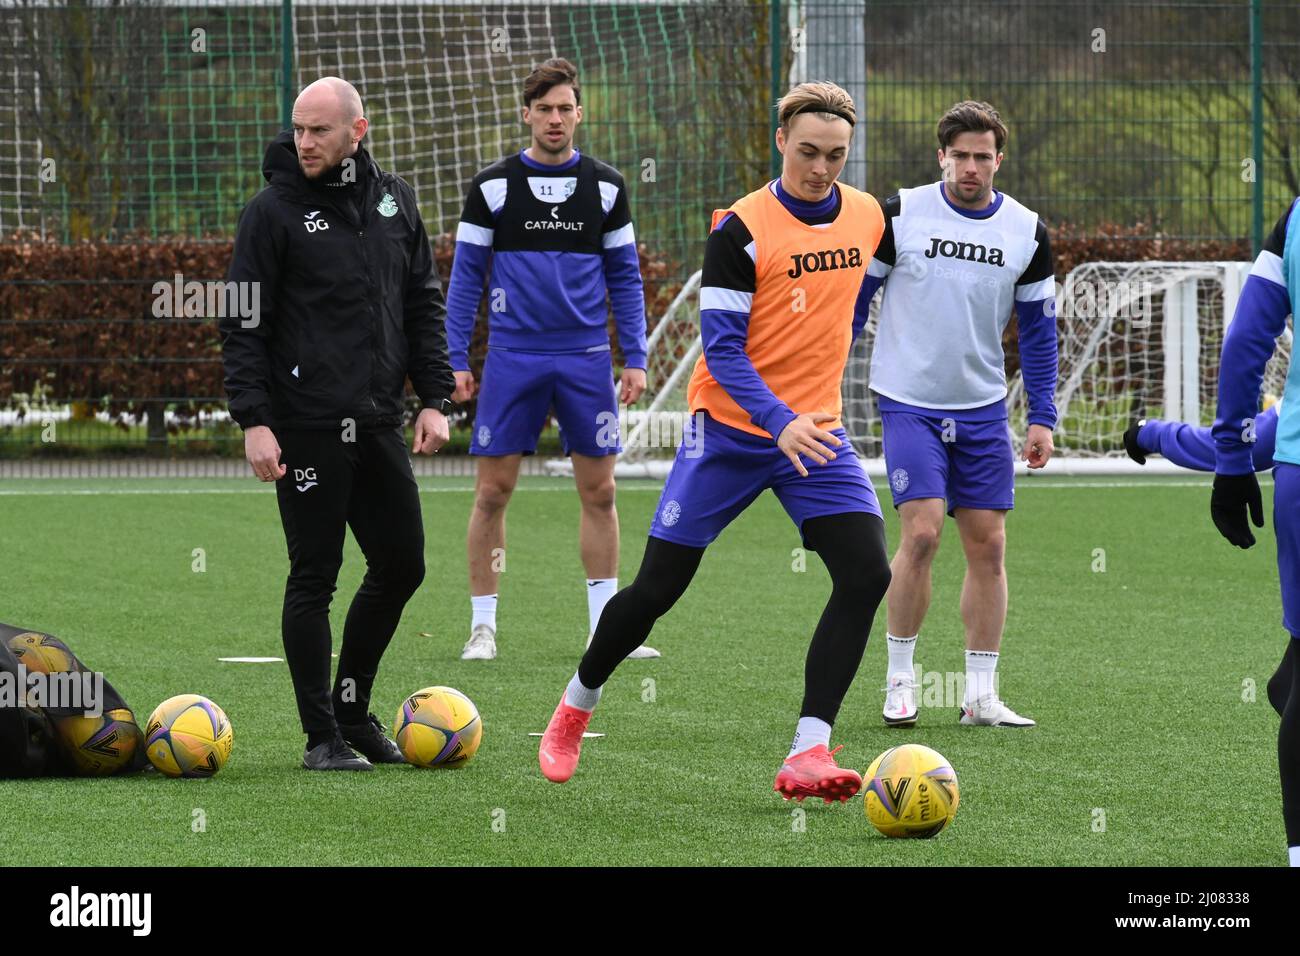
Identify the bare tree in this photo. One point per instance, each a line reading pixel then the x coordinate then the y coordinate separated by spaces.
pixel 83 69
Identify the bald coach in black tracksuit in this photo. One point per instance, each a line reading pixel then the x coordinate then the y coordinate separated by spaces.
pixel 350 306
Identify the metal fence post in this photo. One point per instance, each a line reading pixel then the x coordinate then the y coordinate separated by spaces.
pixel 1257 127
pixel 775 29
pixel 286 63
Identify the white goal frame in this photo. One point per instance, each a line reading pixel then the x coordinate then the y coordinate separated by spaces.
pixel 1107 312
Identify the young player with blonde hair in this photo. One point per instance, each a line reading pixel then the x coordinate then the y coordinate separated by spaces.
pixel 780 302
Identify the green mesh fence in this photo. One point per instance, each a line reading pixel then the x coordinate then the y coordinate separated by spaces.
pixel 135 119
pixel 1119 113
pixel 148 120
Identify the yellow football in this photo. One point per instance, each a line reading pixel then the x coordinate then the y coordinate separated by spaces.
pixel 911 791
pixel 102 745
pixel 188 736
pixel 438 727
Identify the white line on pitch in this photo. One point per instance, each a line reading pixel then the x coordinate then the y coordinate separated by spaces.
pixel 75 492
pixel 85 492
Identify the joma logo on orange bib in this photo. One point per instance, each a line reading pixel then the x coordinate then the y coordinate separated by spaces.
pixel 825 261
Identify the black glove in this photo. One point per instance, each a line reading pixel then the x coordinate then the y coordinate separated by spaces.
pixel 1228 502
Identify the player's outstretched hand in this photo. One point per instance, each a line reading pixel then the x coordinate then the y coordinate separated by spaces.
pixel 1233 495
pixel 633 384
pixel 802 436
pixel 431 431
pixel 465 386
pixel 263 453
pixel 1038 446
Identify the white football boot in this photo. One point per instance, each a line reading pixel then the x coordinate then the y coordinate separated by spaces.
pixel 900 700
pixel 989 711
pixel 482 644
pixel 642 653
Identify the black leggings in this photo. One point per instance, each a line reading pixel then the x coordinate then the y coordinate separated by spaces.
pixel 851 545
pixel 331 485
pixel 1284 695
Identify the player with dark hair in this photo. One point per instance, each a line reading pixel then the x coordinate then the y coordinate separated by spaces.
pixel 1271 293
pixel 956 259
pixel 547 233
pixel 780 300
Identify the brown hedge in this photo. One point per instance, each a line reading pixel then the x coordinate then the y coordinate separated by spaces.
pixel 76 320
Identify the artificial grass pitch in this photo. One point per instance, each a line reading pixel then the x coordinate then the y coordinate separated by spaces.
pixel 1137 637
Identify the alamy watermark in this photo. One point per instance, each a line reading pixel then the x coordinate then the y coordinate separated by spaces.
pixel 945 688
pixel 661 430
pixel 1104 299
pixel 212 299
pixel 63 690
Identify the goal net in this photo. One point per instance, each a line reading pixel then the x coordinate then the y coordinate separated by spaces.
pixel 1137 340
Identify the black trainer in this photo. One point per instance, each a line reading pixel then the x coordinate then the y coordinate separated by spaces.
pixel 370 740
pixel 334 755
pixel 1135 451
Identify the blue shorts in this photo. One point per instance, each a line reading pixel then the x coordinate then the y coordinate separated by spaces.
pixel 970 464
pixel 519 390
pixel 1286 525
pixel 718 475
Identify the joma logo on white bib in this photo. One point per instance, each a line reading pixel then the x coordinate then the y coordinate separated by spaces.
pixel 968 251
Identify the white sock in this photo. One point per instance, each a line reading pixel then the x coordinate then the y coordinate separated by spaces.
pixel 981 675
pixel 1294 853
pixel 599 591
pixel 485 611
pixel 810 732
pixel 900 654
pixel 580 696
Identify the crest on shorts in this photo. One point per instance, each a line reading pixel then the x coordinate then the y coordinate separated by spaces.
pixel 899 480
pixel 484 436
pixel 387 206
pixel 670 513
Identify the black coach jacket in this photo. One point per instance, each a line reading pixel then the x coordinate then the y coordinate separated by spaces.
pixel 348 306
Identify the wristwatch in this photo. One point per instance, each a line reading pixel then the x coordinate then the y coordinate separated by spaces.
pixel 446 406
